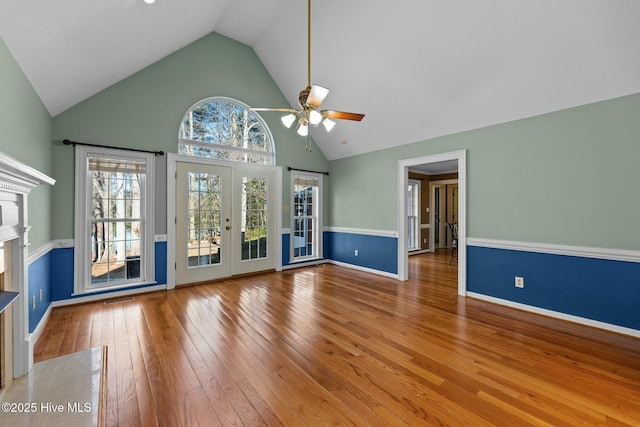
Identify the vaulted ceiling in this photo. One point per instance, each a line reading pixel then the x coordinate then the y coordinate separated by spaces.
pixel 418 69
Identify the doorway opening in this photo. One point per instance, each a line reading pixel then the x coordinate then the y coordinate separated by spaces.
pixel 445 210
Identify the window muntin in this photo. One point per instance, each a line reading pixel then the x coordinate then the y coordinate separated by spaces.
pixel 306 236
pixel 224 129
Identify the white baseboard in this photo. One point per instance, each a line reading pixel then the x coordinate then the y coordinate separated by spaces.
pixel 365 269
pixel 557 315
pixel 304 264
pixel 342 264
pixel 33 336
pixel 419 251
pixel 109 295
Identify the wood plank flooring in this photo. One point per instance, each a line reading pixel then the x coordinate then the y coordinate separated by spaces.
pixel 332 346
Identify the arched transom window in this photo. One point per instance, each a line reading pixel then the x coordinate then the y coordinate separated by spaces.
pixel 225 129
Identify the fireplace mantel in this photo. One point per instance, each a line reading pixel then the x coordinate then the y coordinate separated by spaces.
pixel 16 182
pixel 16 177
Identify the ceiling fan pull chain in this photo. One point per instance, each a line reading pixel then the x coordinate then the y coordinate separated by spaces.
pixel 307 146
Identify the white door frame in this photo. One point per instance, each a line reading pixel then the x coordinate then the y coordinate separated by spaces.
pixel 403 179
pixel 172 159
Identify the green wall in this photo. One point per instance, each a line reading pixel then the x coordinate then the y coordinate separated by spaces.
pixel 25 126
pixel 144 111
pixel 569 177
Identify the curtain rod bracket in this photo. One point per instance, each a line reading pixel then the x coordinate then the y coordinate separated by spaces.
pixel 74 143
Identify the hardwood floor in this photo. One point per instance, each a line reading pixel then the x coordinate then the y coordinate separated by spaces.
pixel 333 346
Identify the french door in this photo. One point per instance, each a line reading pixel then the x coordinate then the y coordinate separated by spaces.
pixel 225 221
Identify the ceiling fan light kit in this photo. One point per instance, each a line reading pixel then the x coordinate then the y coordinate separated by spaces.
pixel 315 118
pixel 288 119
pixel 303 127
pixel 328 124
pixel 310 99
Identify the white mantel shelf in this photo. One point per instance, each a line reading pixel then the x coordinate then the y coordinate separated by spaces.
pixel 15 176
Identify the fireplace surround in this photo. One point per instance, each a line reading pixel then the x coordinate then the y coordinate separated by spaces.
pixel 16 182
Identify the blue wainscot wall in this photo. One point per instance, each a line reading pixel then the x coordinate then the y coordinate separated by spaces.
pixel 52 273
pixel 286 251
pixel 603 290
pixel 375 252
pixel 39 282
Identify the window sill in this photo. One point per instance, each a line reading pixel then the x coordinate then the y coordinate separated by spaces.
pixel 106 289
pixel 306 259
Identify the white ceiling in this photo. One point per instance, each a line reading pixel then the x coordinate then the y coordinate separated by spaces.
pixel 417 68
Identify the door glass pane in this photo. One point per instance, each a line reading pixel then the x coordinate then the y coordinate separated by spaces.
pixel 204 219
pixel 253 218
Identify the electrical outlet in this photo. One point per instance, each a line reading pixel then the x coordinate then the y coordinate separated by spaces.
pixel 424 241
pixel 356 252
pixel 40 294
pixel 34 302
pixel 519 282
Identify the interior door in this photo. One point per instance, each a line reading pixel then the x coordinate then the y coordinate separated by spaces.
pixel 440 219
pixel 452 203
pixel 452 209
pixel 203 222
pixel 254 230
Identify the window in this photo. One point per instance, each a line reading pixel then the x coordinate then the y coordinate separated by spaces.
pixel 114 224
pixel 225 129
pixel 306 233
pixel 413 217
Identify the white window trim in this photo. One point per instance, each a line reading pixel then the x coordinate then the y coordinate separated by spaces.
pixel 318 248
pixel 82 274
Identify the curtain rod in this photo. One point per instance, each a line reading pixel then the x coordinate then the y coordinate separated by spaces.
pixel 74 143
pixel 305 170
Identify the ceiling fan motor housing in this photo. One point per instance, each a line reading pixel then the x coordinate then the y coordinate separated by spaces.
pixel 303 96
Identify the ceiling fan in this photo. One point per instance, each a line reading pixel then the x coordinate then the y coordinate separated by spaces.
pixel 310 99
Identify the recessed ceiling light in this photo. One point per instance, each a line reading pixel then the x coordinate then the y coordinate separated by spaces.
pixel 149 1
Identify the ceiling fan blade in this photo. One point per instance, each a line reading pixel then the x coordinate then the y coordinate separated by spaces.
pixel 342 115
pixel 317 94
pixel 283 110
